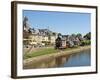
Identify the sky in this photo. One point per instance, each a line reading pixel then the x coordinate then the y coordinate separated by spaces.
pixel 65 23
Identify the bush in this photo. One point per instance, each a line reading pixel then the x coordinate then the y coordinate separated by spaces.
pixel 85 42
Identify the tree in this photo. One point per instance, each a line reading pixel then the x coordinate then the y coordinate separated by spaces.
pixel 88 36
pixel 59 35
pixel 58 43
pixel 72 37
pixel 79 36
pixel 54 33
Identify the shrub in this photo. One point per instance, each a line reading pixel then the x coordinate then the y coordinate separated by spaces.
pixel 85 42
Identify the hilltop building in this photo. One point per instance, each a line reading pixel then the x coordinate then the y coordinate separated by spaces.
pixel 34 36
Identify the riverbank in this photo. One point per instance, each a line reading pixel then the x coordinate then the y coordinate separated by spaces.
pixel 44 58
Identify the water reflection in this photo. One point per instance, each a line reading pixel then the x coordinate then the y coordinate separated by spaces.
pixel 78 59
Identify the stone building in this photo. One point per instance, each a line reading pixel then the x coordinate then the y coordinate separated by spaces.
pixel 33 36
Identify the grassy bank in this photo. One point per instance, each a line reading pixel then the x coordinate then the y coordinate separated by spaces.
pixel 40 52
pixel 45 51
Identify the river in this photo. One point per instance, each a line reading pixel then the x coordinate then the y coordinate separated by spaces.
pixel 82 58
pixel 79 59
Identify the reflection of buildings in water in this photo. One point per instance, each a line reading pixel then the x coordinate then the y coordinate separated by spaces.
pixel 61 60
pixel 48 63
pixel 67 57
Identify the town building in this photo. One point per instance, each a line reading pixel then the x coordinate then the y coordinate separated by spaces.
pixel 35 37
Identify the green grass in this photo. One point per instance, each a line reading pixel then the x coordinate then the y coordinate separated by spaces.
pixel 40 52
pixel 44 51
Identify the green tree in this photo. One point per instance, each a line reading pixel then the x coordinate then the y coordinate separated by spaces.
pixel 88 36
pixel 79 36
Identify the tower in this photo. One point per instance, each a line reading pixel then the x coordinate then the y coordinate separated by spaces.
pixel 25 24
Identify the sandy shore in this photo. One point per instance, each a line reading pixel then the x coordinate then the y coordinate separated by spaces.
pixel 52 56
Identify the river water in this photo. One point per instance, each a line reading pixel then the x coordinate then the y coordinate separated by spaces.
pixel 78 59
pixel 82 58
